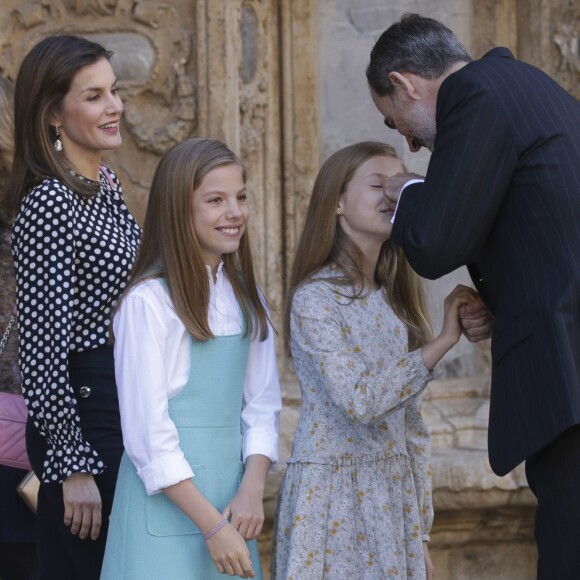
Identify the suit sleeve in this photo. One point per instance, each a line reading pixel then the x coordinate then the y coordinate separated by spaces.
pixel 443 223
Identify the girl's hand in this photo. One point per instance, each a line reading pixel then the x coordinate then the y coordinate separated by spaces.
pixel 459 296
pixel 435 350
pixel 246 512
pixel 428 564
pixel 230 554
pixel 226 547
pixel 82 505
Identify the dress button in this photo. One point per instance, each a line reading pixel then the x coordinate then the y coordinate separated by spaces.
pixel 84 392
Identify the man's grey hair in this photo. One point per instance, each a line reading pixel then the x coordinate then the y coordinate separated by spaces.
pixel 415 44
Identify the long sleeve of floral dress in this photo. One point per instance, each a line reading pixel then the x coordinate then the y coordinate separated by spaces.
pixel 363 388
pixel 72 257
pixel 419 449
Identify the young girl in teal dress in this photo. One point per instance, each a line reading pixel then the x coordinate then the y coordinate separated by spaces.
pixel 197 379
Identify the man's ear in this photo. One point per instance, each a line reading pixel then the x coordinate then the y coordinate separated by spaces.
pixel 405 82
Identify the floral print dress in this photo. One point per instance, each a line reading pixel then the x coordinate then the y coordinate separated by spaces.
pixel 355 502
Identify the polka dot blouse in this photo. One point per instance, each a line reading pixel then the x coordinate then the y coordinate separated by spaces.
pixel 72 256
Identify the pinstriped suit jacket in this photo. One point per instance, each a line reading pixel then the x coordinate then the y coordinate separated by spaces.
pixel 502 195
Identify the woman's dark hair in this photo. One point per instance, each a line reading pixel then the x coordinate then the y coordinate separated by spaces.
pixel 44 78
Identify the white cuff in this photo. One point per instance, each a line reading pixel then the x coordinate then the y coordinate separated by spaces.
pixel 410 182
pixel 261 441
pixel 164 472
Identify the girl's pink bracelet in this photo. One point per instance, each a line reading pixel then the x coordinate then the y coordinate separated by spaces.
pixel 215 529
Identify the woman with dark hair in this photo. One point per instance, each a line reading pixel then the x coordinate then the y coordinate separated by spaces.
pixel 17 550
pixel 74 243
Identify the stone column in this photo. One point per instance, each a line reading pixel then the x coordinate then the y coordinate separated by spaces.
pixel 550 39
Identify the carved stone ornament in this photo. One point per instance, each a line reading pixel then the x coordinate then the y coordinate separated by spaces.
pixel 153 60
pixel 254 79
pixel 567 39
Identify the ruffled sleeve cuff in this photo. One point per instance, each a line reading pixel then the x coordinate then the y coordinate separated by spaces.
pixel 261 441
pixel 164 472
pixel 63 458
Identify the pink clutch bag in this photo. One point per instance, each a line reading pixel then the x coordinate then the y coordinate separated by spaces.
pixel 13 414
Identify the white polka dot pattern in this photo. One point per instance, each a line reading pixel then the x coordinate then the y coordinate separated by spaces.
pixel 72 256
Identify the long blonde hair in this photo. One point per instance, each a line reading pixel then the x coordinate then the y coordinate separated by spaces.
pixel 170 248
pixel 323 242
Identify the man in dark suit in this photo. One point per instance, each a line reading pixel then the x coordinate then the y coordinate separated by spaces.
pixel 502 196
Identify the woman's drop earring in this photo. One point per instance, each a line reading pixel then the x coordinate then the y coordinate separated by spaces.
pixel 339 211
pixel 58 142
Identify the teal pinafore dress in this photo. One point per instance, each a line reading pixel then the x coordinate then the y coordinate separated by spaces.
pixel 150 538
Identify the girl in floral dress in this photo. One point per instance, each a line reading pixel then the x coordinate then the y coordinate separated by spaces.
pixel 355 501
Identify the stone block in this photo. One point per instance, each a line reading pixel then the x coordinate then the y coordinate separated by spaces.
pixel 472 439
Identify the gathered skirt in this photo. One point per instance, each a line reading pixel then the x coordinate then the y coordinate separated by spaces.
pixel 348 519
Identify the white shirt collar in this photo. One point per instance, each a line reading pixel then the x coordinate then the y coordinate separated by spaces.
pixel 219 274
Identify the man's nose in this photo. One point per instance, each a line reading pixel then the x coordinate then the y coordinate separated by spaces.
pixel 414 146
